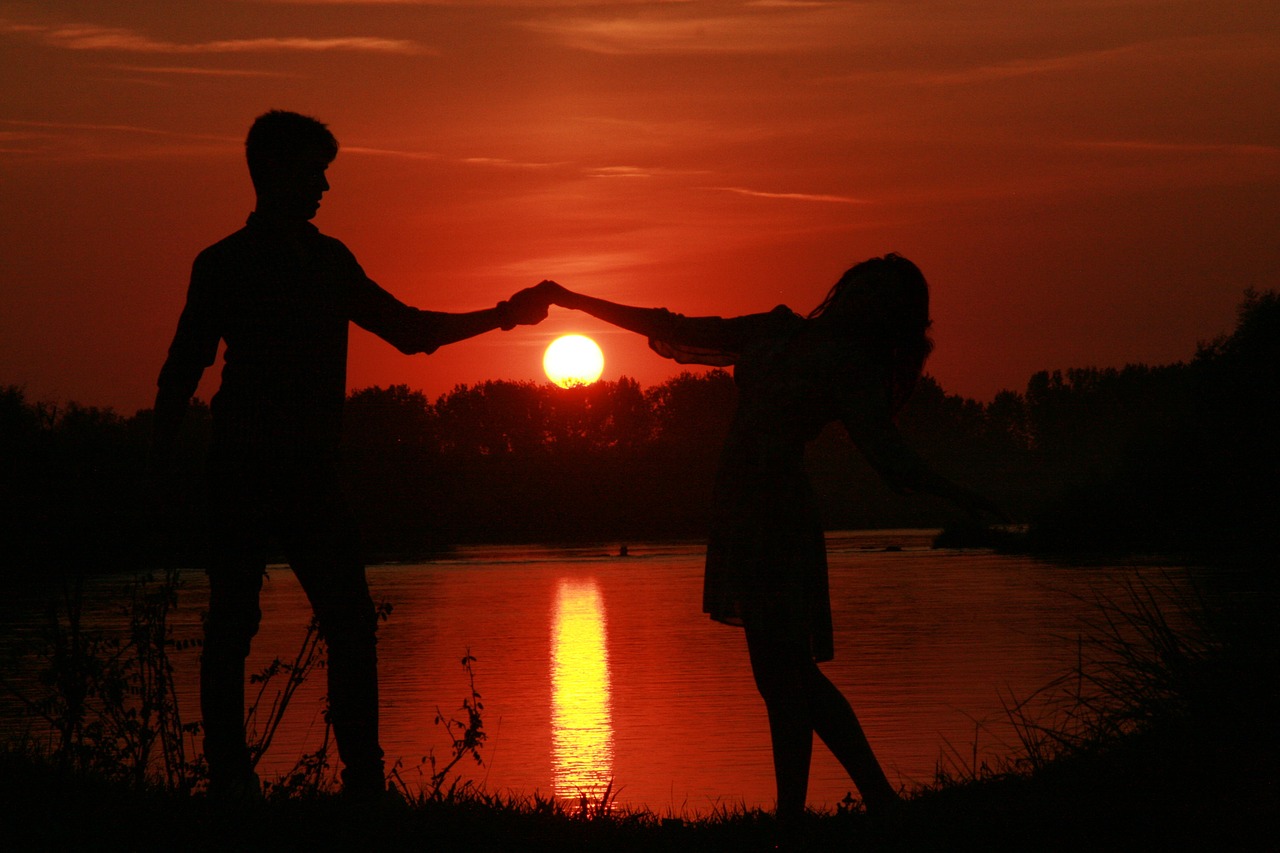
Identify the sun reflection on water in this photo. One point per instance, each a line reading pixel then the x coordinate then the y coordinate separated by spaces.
pixel 581 720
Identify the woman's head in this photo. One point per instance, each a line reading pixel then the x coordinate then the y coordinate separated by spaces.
pixel 884 303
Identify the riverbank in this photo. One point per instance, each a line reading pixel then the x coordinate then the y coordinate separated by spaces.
pixel 1166 741
pixel 1178 754
pixel 1159 791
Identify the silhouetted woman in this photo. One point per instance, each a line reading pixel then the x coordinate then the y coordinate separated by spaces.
pixel 854 359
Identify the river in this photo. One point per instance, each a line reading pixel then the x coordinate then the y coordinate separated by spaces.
pixel 595 667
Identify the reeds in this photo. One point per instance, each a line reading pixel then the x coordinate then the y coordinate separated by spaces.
pixel 1148 658
pixel 107 699
pixel 1141 661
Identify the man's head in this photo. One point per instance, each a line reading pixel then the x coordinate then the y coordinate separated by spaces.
pixel 288 154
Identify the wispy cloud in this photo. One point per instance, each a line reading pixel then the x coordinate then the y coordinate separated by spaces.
pixel 487 162
pixel 830 199
pixel 193 71
pixel 789 4
pixel 94 37
pixel 1236 149
pixel 113 128
pixel 83 141
pixel 517 4
pixel 390 152
pixel 1175 51
pixel 503 163
pixel 620 172
pixel 1029 67
pixel 764 28
pixel 20 142
pixel 582 264
pixel 639 172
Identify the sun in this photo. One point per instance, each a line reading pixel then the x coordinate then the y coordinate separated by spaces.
pixel 573 360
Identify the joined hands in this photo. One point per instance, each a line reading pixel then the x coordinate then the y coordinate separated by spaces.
pixel 528 307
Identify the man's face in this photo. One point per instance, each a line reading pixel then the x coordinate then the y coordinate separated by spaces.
pixel 296 186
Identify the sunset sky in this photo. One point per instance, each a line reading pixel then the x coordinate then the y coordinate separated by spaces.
pixel 1084 182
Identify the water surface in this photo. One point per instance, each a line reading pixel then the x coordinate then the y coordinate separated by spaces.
pixel 596 668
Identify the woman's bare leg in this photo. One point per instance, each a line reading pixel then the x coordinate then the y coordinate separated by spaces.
pixel 800 701
pixel 838 726
pixel 782 686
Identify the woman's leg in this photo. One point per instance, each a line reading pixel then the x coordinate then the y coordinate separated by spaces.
pixel 801 700
pixel 777 662
pixel 838 726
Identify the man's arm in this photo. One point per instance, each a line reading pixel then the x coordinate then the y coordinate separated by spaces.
pixel 168 414
pixel 527 307
pixel 412 330
pixel 194 347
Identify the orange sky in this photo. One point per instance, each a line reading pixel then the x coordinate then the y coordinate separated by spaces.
pixel 1091 182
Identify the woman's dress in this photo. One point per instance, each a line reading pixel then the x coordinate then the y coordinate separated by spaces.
pixel 766 557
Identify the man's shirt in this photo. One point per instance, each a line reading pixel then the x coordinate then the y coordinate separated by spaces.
pixel 281 297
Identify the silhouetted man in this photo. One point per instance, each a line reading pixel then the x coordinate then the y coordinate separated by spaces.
pixel 281 295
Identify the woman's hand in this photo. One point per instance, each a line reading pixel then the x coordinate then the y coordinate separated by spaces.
pixel 555 294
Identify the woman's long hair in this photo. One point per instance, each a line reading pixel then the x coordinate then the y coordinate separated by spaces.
pixel 894 321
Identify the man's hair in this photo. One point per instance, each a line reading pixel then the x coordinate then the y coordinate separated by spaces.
pixel 279 135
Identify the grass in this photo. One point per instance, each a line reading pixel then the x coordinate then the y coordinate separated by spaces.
pixel 1163 738
pixel 1151 792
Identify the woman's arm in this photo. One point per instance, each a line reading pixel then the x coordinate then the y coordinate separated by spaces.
pixel 650 322
pixel 701 340
pixel 905 471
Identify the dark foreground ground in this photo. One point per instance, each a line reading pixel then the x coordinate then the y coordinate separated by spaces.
pixel 1175 790
pixel 1178 751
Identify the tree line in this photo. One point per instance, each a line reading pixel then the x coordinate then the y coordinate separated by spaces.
pixel 1173 456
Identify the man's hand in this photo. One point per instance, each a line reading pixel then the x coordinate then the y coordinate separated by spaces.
pixel 528 307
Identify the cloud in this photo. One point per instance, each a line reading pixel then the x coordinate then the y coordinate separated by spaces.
pixel 114 128
pixel 1029 67
pixel 518 4
pixel 79 141
pixel 20 142
pixel 489 162
pixel 639 172
pixel 620 172
pixel 181 70
pixel 1233 149
pixel 390 152
pixel 789 4
pixel 503 163
pixel 830 199
pixel 1169 54
pixel 764 28
pixel 578 265
pixel 93 37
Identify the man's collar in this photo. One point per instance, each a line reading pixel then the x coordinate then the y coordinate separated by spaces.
pixel 272 225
